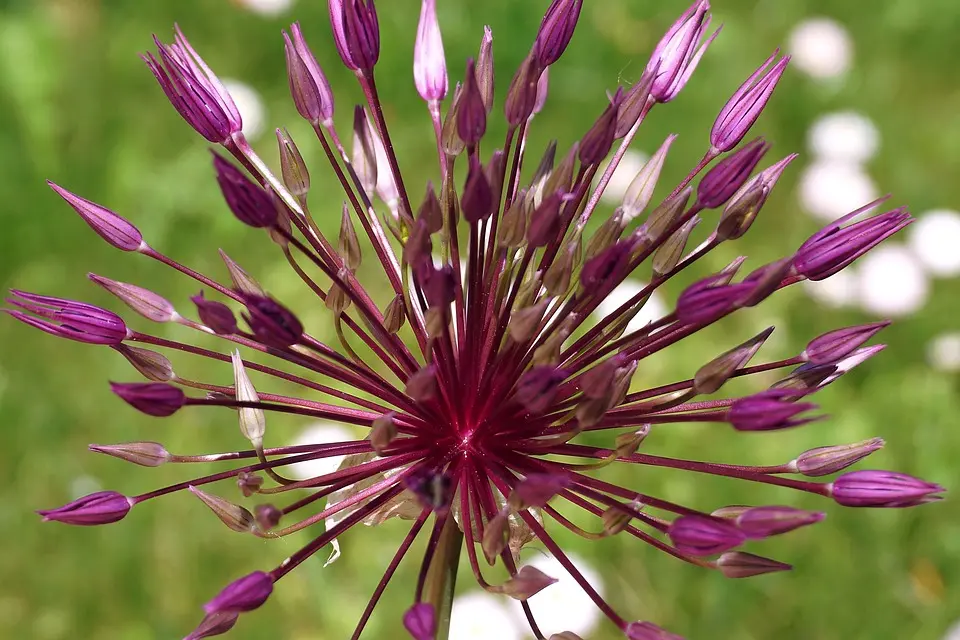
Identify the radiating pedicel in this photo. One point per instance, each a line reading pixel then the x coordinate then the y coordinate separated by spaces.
pixel 484 365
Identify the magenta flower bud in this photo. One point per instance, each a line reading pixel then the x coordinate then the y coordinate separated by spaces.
pixel 214 625
pixel 68 318
pixel 596 143
pixel 710 298
pixel 108 225
pixel 528 582
pixel 273 324
pixel 102 507
pixel 556 30
pixel 704 535
pixel 728 176
pixel 356 32
pixel 537 489
pixel 429 64
pixel 193 90
pixel 439 288
pixel 477 199
pixel 600 270
pixel 309 88
pixel 739 564
pixel 538 386
pixel 248 201
pixel 215 315
pixel 824 461
pixel 545 221
pixel 648 631
pixel 421 621
pixel 835 247
pixel 145 302
pixel 244 594
pixel 745 105
pixel 768 411
pixel 471 112
pixel 882 489
pixel 762 522
pixel 422 385
pixel 678 53
pixel 152 398
pixel 837 345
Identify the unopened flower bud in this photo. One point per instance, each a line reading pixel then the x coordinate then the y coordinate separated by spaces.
pixel 108 225
pixel 421 621
pixel 309 88
pixel 249 483
pixel 242 281
pixel 143 301
pixel 668 254
pixel 272 323
pixel 293 169
pixel 740 564
pixel 596 143
pixel 525 322
pixel 152 365
pixel 704 536
pixel 245 594
pixel 640 191
pixel 429 63
pixel 556 30
pixel 496 535
pixel 102 507
pixel 522 94
pixel 383 432
pixel 152 398
pixel 838 344
pixel 267 516
pixel 537 489
pixel 215 315
pixel 248 201
pixel 485 67
pixel 824 461
pixel 746 104
pixel 145 454
pixel 356 33
pixel 538 387
pixel 882 489
pixel 471 113
pixel 761 522
pixel 214 625
pixel 678 53
pixel 711 376
pixel 726 178
pixel 528 582
pixel 234 516
pixel 422 385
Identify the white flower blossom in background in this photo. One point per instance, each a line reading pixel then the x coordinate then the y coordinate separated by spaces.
pixel 564 606
pixel 266 8
pixel 830 189
pixel 892 283
pixel 943 354
pixel 630 165
pixel 844 136
pixel 840 290
pixel 821 48
pixel 250 105
pixel 654 309
pixel 479 615
pixel 320 432
pixel 935 241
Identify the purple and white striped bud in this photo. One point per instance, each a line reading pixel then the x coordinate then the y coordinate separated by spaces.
pixel 836 345
pixel 244 594
pixel 69 319
pixel 248 201
pixel 145 302
pixel 273 324
pixel 704 536
pixel 420 621
pixel 356 32
pixel 768 411
pixel 648 631
pixel 194 90
pixel 762 522
pixel 556 31
pixel 678 53
pixel 746 104
pixel 156 399
pixel 102 507
pixel 309 88
pixel 824 461
pixel 429 64
pixel 108 225
pixel 145 454
pixel 730 174
pixel 882 489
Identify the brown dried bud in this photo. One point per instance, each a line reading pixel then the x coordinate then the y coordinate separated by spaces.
pixel 292 167
pixel 496 535
pixel 382 432
pixel 151 364
pixel 430 211
pixel 604 237
pixel 422 385
pixel 242 281
pixel 628 443
pixel 711 376
pixel 364 156
pixel 525 322
pixel 349 245
pixel 145 454
pixel 669 253
pixel 449 138
pixel 234 516
pixel 561 178
pixel 395 314
pixel 513 227
pixel 664 215
pixel 615 520
pixel 558 276
pixel 337 299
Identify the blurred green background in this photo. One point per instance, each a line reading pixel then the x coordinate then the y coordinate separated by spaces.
pixel 79 107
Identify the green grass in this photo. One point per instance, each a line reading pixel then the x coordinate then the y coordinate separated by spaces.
pixel 77 106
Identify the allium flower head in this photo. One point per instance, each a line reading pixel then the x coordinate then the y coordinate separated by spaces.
pixel 482 368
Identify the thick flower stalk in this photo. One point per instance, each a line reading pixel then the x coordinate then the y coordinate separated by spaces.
pixel 472 361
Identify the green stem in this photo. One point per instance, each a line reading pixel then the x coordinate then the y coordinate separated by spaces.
pixel 442 576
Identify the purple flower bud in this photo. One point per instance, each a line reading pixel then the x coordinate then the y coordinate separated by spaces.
pixel 523 93
pixel 308 85
pixel 152 398
pixel 102 507
pixel 273 324
pixel 145 302
pixel 824 461
pixel 485 70
pixel 596 143
pixel 145 454
pixel 739 564
pixel 477 199
pixel 678 53
pixel 545 221
pixel 543 87
pixel 882 489
pixel 556 30
pixel 471 112
pixel 356 32
pixel 108 225
pixel 710 298
pixel 762 522
pixel 538 386
pixel 215 315
pixel 768 411
pixel 704 535
pixel 728 176
pixel 834 247
pixel 745 105
pixel 244 594
pixel 421 621
pixel 746 203
pixel 248 201
pixel 603 268
pixel 214 625
pixel 422 385
pixel 439 288
pixel 648 631
pixel 193 89
pixel 429 64
pixel 528 582
pixel 68 318
pixel 837 345
pixel 537 489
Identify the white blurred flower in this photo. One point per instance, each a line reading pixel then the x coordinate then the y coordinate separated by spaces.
pixel 479 615
pixel 630 165
pixel 564 606
pixel 654 309
pixel 821 48
pixel 953 633
pixel 249 104
pixel 830 189
pixel 891 281
pixel 319 433
pixel 943 354
pixel 267 7
pixel 83 486
pixel 845 136
pixel 935 241
pixel 839 290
